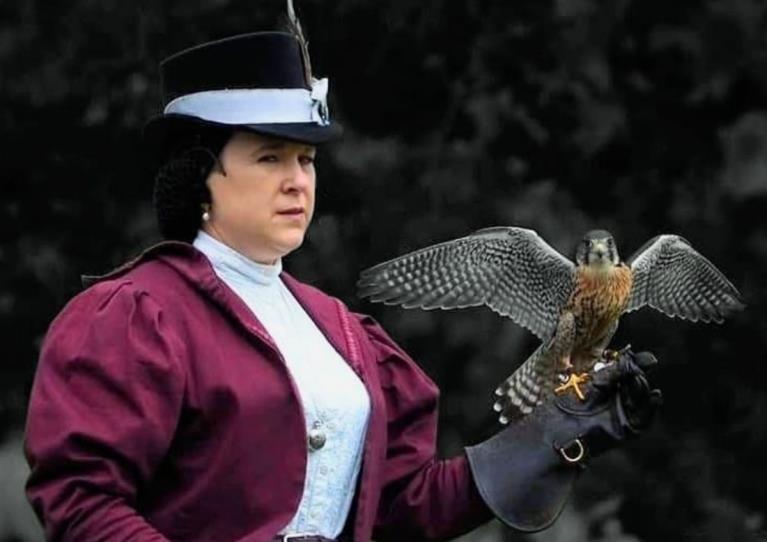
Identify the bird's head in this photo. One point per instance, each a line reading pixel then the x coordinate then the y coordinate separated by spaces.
pixel 597 249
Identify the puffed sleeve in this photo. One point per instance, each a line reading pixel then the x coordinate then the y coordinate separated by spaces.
pixel 423 498
pixel 104 404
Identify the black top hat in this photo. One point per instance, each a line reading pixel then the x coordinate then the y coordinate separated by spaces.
pixel 256 82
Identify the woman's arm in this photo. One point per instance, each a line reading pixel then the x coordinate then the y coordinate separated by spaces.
pixel 423 498
pixel 523 475
pixel 104 405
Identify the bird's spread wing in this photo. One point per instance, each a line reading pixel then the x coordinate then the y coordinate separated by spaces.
pixel 511 270
pixel 672 277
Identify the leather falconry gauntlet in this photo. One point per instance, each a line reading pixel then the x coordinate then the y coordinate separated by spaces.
pixel 525 472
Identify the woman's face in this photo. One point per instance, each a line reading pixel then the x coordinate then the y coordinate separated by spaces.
pixel 263 201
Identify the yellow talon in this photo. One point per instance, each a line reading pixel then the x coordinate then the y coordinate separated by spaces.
pixel 574 382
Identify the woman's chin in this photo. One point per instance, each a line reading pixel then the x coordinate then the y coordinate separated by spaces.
pixel 288 243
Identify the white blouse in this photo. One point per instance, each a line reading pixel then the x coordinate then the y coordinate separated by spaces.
pixel 334 399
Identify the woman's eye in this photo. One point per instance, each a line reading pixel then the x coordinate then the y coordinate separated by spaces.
pixel 268 158
pixel 306 160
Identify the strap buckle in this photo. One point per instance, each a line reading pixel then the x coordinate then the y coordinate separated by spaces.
pixel 570 455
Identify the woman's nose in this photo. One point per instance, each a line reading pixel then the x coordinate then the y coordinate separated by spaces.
pixel 298 176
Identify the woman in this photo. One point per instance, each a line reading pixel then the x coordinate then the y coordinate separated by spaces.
pixel 199 393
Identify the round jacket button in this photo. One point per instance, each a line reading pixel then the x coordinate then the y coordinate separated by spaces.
pixel 316 439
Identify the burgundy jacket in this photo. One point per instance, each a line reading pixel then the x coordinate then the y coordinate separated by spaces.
pixel 162 410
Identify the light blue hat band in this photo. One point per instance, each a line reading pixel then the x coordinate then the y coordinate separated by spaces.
pixel 257 106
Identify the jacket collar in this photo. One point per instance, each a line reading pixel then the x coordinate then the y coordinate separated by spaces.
pixel 164 247
pixel 192 265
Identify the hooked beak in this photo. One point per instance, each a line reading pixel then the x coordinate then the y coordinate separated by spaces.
pixel 599 249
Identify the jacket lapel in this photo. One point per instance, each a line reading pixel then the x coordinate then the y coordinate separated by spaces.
pixel 326 313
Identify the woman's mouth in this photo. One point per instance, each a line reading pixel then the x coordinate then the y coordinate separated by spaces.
pixel 292 212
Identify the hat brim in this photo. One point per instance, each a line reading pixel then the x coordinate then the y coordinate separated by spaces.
pixel 159 132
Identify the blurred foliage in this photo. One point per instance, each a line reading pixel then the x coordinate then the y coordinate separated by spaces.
pixel 640 117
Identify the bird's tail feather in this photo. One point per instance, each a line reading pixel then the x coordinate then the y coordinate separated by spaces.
pixel 531 384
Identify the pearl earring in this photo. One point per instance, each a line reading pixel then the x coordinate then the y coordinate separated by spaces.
pixel 205 215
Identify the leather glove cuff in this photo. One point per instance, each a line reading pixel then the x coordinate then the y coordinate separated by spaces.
pixel 525 472
pixel 521 477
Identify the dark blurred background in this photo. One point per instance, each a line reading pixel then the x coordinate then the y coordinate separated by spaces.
pixel 640 117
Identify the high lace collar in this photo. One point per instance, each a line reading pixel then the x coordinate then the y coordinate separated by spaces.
pixel 230 262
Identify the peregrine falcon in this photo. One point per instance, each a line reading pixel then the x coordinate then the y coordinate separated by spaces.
pixel 573 307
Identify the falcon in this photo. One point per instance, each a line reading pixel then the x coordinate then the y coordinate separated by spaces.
pixel 573 307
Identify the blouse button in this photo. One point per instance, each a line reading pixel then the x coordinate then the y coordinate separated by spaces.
pixel 316 438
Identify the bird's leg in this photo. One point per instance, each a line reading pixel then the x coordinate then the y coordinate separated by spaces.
pixel 574 382
pixel 613 355
pixel 598 352
pixel 602 355
pixel 609 355
pixel 571 380
pixel 562 348
pixel 567 365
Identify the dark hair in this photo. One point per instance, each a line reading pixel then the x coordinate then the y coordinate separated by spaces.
pixel 179 185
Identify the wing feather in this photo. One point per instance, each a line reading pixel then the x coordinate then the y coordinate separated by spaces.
pixel 672 277
pixel 511 270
